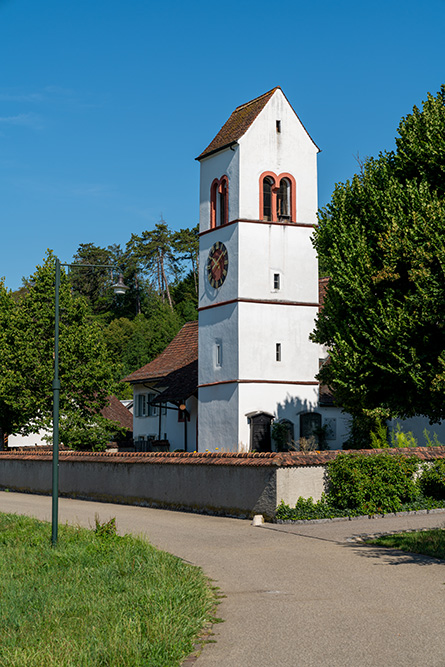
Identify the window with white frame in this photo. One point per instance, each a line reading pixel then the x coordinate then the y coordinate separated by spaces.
pixel 141 405
pixel 145 406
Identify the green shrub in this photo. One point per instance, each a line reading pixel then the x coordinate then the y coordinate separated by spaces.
pixel 379 436
pixel 306 509
pixel 372 484
pixel 401 439
pixel 432 480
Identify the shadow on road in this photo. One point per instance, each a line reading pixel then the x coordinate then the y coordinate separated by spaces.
pixel 391 556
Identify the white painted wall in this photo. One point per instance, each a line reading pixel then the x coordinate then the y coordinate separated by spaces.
pixel 417 426
pixel 225 162
pixel 171 429
pixel 218 418
pixel 248 332
pixel 264 249
pixel 30 440
pixel 208 295
pixel 293 151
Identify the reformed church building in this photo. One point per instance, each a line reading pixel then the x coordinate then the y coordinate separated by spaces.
pixel 248 361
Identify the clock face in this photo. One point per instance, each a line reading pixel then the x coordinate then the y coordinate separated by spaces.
pixel 217 264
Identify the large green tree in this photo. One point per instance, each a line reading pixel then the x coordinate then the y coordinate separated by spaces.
pixel 382 241
pixel 27 358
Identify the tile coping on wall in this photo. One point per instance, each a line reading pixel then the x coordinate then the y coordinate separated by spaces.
pixel 274 459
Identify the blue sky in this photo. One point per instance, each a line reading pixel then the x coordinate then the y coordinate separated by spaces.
pixel 104 104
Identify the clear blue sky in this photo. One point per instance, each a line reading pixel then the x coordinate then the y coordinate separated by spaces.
pixel 104 104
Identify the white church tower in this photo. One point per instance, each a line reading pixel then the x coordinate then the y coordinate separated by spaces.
pixel 258 295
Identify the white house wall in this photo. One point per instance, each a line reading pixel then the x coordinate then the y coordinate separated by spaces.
pixel 170 428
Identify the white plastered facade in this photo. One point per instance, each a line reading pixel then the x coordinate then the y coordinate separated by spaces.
pixel 247 323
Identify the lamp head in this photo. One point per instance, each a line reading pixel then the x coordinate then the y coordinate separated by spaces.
pixel 120 287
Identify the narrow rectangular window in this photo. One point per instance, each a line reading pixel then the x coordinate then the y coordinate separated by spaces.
pixel 278 125
pixel 218 354
pixel 141 406
pixel 152 410
pixel 276 281
pixel 278 351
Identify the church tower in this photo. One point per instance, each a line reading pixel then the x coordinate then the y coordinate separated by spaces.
pixel 258 295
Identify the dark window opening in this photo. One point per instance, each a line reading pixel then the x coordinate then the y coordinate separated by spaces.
pixel 278 122
pixel 283 200
pixel 278 351
pixel 267 198
pixel 276 281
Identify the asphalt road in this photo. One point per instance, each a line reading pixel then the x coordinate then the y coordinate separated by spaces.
pixel 296 596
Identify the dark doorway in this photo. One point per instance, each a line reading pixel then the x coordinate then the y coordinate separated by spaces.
pixel 310 424
pixel 260 432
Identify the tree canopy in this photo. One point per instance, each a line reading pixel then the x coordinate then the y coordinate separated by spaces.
pixel 382 241
pixel 27 353
pixel 103 337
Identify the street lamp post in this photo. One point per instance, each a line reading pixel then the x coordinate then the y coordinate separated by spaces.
pixel 119 288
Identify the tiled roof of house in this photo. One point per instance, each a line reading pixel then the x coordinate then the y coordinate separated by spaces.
pixel 118 413
pixel 322 287
pixel 182 350
pixel 238 123
pixel 180 384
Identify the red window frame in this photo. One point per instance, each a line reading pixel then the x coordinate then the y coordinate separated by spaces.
pixel 276 180
pixel 219 187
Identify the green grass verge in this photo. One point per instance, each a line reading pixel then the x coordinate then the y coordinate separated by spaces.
pixel 426 542
pixel 96 599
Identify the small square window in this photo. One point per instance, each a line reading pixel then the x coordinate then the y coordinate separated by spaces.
pixel 278 351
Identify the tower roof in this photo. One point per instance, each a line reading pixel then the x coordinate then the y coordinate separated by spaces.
pixel 238 123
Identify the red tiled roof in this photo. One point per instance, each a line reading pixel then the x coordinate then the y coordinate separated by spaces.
pixel 322 287
pixel 118 413
pixel 269 459
pixel 180 384
pixel 182 350
pixel 238 123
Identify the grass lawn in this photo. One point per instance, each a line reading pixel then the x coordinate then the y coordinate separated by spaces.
pixel 96 599
pixel 426 542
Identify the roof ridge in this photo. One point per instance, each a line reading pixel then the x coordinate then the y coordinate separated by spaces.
pixel 256 99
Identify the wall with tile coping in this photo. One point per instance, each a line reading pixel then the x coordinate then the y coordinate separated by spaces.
pixel 227 484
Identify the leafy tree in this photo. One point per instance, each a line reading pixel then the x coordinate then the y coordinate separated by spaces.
pixel 382 240
pixel 93 283
pixel 12 411
pixel 186 299
pixel 26 360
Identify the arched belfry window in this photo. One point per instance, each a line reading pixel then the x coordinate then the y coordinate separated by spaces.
pixel 219 202
pixel 267 198
pixel 277 197
pixel 283 200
